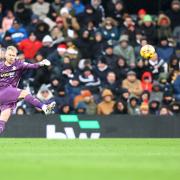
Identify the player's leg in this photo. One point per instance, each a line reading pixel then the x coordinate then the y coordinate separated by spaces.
pixel 5 115
pixel 35 102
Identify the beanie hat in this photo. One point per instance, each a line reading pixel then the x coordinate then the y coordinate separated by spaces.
pixel 64 11
pixel 124 37
pixel 142 12
pixel 86 93
pixel 47 38
pixel 147 18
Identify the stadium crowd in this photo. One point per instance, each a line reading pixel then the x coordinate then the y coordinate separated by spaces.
pixel 96 66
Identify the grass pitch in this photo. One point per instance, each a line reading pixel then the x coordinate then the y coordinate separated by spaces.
pixel 106 159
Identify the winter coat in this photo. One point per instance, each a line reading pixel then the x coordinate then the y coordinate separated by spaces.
pixel 17 35
pixel 176 86
pixel 150 33
pixel 174 17
pixel 146 86
pixel 105 108
pixel 134 88
pixel 41 9
pixel 165 52
pixel 127 53
pixel 111 34
pixel 29 48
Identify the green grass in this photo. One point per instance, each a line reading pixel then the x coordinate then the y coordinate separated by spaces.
pixel 106 159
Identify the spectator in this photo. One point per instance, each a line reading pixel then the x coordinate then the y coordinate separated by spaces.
pixel 164 26
pixel 156 92
pixel 30 46
pixel 106 107
pixel 125 95
pixel 7 21
pixel 164 51
pixel 80 97
pixel 45 95
pixel 98 45
pixel 117 11
pixel 55 7
pixel 141 13
pixel 16 33
pixel 174 13
pixel 125 50
pixel 81 108
pixel 62 100
pixel 42 8
pixel 66 109
pixel 176 86
pixel 121 69
pixel 174 64
pixel 144 109
pixel 46 48
pixel 86 16
pixel 133 108
pixel 111 58
pixel 164 111
pixel 132 84
pixel 84 44
pixel 111 83
pixel 78 6
pixel 56 58
pixel 129 29
pixel 157 66
pixel 102 69
pixel 145 96
pixel 70 23
pixel 146 81
pixel 149 30
pixel 109 29
pixel 154 106
pixel 89 104
pixel 99 12
pixel 23 13
pixel 120 107
pixel 73 88
pixel 175 108
pixel 42 29
pixel 89 80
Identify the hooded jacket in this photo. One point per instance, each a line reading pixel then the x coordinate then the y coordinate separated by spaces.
pixel 146 86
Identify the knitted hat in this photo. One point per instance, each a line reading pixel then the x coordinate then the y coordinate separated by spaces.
pixel 47 38
pixel 142 12
pixel 86 93
pixel 147 18
pixel 124 38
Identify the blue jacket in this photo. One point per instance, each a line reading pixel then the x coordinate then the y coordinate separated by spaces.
pixel 165 53
pixel 17 35
pixel 79 8
pixel 176 86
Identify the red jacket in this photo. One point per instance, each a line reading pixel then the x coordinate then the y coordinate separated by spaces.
pixel 29 48
pixel 146 86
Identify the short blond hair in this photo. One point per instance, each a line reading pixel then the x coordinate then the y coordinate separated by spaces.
pixel 12 48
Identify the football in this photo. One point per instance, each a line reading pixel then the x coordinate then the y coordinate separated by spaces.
pixel 147 51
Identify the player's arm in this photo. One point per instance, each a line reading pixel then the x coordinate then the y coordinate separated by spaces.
pixel 44 62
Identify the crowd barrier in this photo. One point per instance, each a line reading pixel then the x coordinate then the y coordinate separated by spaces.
pixel 94 127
